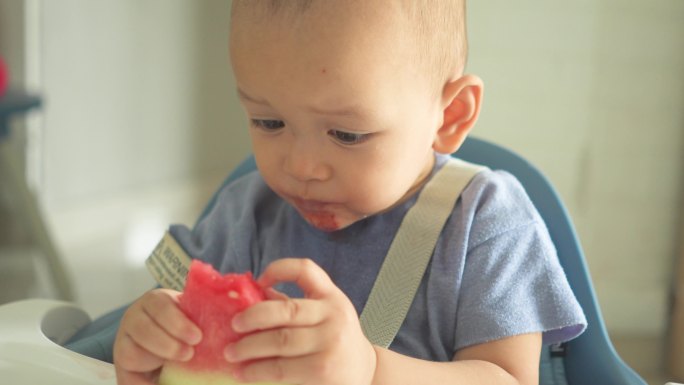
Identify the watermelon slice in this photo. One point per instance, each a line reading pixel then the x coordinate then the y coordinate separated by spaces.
pixel 211 300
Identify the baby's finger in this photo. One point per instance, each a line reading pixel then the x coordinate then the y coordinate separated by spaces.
pixel 162 308
pixel 131 357
pixel 150 336
pixel 296 370
pixel 272 293
pixel 131 378
pixel 304 272
pixel 279 313
pixel 282 342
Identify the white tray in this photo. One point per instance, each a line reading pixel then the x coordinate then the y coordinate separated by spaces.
pixel 31 334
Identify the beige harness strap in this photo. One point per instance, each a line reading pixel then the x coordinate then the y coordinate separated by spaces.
pixel 411 250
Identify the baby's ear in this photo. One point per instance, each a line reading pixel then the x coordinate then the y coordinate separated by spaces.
pixel 461 101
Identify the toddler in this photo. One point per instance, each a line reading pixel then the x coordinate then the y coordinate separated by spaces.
pixel 353 106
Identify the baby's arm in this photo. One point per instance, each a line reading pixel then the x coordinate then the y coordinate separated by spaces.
pixel 318 341
pixel 152 330
pixel 513 360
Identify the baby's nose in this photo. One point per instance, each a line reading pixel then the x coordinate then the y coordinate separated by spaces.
pixel 306 163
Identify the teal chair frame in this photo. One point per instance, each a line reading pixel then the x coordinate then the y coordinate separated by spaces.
pixel 588 359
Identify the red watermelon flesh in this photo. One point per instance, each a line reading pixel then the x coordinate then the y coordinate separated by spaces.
pixel 211 300
pixel 4 77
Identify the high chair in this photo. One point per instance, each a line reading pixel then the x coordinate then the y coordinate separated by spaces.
pixel 588 359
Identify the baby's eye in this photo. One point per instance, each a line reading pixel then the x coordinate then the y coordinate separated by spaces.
pixel 268 124
pixel 348 137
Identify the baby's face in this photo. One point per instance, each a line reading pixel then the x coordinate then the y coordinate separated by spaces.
pixel 341 121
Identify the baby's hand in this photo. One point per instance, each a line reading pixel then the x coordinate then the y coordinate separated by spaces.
pixel 312 341
pixel 152 330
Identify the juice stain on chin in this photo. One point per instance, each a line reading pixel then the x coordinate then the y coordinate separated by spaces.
pixel 323 221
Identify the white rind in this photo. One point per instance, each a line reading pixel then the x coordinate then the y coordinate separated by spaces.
pixel 177 375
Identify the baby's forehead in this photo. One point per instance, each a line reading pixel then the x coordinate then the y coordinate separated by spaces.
pixel 434 30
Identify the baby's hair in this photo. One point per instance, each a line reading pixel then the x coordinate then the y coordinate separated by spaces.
pixel 439 27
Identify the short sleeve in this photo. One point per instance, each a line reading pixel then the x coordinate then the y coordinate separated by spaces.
pixel 512 280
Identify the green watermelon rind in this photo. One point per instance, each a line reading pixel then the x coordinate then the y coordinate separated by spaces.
pixel 179 375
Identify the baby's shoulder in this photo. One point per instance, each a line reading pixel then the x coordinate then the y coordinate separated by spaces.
pixel 496 186
pixel 495 201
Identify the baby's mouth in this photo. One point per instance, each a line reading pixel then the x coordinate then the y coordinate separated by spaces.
pixel 317 213
pixel 324 221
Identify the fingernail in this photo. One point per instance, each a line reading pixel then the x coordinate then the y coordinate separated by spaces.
pixel 230 354
pixel 186 353
pixel 195 337
pixel 237 374
pixel 237 323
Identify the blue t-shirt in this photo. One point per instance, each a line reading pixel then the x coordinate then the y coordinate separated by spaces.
pixel 494 272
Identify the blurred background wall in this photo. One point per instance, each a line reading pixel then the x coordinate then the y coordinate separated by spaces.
pixel 141 122
pixel 593 93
